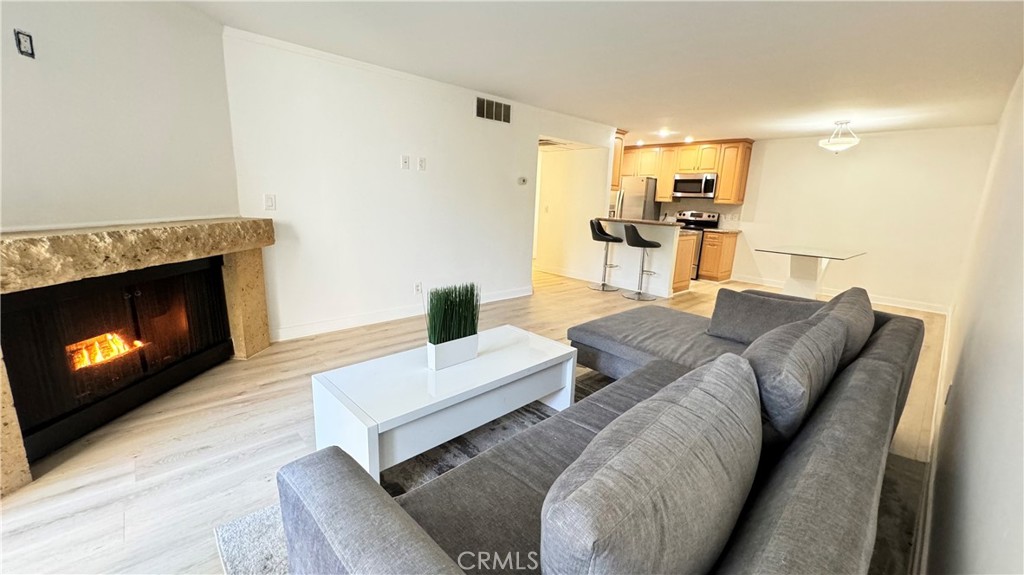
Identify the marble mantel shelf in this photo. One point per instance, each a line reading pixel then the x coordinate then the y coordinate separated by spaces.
pixel 37 259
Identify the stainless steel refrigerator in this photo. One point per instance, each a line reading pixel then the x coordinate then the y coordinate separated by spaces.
pixel 636 199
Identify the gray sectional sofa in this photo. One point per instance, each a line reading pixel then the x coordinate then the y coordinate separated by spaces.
pixel 751 442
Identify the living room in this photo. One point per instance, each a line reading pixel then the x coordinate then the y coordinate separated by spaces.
pixel 327 164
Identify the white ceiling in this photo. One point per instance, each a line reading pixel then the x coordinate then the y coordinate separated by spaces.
pixel 706 69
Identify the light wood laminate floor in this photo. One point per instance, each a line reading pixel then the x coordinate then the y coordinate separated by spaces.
pixel 144 493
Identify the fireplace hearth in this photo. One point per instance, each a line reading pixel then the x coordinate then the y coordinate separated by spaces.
pixel 80 354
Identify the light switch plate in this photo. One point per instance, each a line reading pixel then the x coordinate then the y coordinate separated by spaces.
pixel 422 164
pixel 24 42
pixel 269 202
pixel 405 162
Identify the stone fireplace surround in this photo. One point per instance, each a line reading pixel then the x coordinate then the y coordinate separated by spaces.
pixel 31 260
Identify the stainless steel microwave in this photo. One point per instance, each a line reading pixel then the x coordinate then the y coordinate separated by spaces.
pixel 694 185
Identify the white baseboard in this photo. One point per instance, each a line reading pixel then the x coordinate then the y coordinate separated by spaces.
pixel 758 280
pixel 574 274
pixel 922 542
pixel 875 298
pixel 286 333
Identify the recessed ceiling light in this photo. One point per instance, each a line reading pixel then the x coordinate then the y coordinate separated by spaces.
pixel 688 139
pixel 639 142
pixel 664 133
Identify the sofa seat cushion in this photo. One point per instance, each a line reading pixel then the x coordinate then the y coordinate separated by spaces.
pixel 647 333
pixel 492 503
pixel 746 316
pixel 660 488
pixel 794 363
pixel 817 512
pixel 853 308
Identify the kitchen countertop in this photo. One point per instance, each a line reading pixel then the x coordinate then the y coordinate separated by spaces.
pixel 648 223
pixel 642 222
pixel 721 231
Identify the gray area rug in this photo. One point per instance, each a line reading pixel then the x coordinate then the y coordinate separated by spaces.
pixel 254 544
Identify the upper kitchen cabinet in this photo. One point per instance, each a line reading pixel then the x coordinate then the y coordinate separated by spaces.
pixel 698 158
pixel 730 159
pixel 617 150
pixel 629 163
pixel 733 165
pixel 648 162
pixel 666 175
pixel 707 158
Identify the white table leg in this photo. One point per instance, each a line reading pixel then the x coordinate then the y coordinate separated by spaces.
pixel 338 421
pixel 804 277
pixel 565 396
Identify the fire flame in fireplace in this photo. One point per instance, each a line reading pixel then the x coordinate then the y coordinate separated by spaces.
pixel 100 349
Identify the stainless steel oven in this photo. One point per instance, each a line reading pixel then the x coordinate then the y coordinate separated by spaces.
pixel 694 185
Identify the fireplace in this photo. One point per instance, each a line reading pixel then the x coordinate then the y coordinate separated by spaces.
pixel 80 354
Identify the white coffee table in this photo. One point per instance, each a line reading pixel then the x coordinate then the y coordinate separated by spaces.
pixel 386 410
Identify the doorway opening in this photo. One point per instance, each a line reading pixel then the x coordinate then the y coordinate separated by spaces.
pixel 572 189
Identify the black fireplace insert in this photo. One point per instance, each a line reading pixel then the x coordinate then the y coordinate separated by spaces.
pixel 81 354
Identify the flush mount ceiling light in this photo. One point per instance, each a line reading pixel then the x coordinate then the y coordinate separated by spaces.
pixel 838 142
pixel 688 139
pixel 639 142
pixel 665 132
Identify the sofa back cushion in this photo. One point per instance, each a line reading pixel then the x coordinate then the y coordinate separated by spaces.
pixel 794 364
pixel 853 308
pixel 817 511
pixel 745 316
pixel 659 489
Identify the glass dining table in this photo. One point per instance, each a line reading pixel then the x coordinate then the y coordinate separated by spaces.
pixel 807 266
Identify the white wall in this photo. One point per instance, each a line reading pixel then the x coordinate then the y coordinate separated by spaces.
pixel 976 519
pixel 121 117
pixel 907 198
pixel 355 232
pixel 573 188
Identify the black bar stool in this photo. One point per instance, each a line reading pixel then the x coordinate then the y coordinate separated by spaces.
pixel 599 234
pixel 634 239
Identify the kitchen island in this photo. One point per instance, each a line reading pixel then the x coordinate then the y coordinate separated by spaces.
pixel 670 263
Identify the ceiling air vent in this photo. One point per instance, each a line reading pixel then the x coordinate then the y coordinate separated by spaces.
pixel 491 110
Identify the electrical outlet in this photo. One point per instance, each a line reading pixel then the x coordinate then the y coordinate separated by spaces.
pixel 269 202
pixel 422 164
pixel 417 288
pixel 406 160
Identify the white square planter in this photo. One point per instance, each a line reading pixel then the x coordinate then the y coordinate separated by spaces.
pixel 452 352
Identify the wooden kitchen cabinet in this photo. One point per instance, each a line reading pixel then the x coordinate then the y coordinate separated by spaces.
pixel 707 157
pixel 716 256
pixel 629 163
pixel 648 162
pixel 666 175
pixel 617 151
pixel 730 159
pixel 698 158
pixel 687 159
pixel 684 262
pixel 733 166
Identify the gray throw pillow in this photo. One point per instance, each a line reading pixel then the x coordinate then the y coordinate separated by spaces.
pixel 660 488
pixel 744 317
pixel 853 308
pixel 794 363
